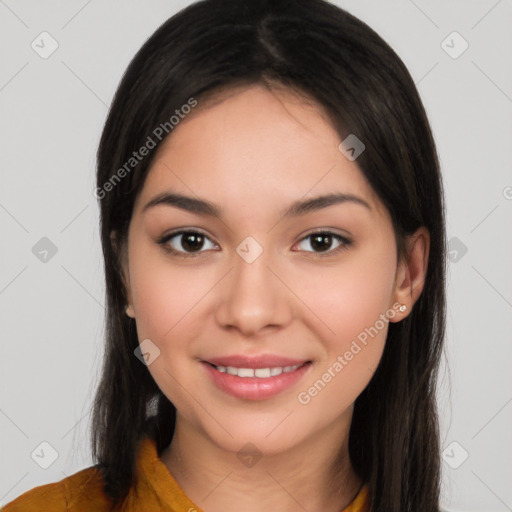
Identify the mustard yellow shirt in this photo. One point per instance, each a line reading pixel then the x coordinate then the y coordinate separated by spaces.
pixel 157 491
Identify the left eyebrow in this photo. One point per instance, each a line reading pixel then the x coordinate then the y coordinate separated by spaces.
pixel 317 203
pixel 203 207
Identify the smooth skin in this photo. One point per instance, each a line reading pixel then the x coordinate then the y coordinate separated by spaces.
pixel 252 153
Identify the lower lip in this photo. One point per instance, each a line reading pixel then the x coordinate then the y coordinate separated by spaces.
pixel 255 388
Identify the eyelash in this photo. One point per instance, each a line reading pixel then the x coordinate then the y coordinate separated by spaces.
pixel 345 243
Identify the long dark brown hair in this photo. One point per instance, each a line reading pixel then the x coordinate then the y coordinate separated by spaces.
pixel 324 53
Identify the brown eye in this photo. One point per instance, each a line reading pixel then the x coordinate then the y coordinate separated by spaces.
pixel 186 242
pixel 322 242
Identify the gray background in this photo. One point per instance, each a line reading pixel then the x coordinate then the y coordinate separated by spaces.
pixel 52 112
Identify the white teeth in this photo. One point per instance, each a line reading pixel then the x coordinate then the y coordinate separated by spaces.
pixel 245 372
pixel 262 373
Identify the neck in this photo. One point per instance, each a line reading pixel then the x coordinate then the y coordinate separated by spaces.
pixel 315 475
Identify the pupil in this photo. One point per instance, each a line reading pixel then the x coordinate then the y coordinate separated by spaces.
pixel 317 244
pixel 192 241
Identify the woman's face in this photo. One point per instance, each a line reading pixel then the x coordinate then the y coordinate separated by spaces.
pixel 256 289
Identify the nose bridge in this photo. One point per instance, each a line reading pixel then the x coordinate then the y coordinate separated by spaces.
pixel 252 297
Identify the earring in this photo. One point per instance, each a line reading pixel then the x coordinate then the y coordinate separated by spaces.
pixel 402 308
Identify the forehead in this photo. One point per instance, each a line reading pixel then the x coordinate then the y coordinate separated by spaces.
pixel 250 147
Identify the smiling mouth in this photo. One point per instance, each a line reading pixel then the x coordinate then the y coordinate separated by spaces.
pixel 256 383
pixel 260 373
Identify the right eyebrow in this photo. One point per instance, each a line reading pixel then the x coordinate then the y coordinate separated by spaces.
pixel 190 204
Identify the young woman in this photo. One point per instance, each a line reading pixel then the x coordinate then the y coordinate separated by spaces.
pixel 272 223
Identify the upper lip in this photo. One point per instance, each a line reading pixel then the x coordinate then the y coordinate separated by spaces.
pixel 257 361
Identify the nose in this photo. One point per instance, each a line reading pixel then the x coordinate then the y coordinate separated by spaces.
pixel 253 297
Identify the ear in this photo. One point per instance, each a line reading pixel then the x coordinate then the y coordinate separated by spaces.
pixel 122 260
pixel 411 274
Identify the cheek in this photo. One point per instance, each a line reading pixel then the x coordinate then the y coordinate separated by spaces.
pixel 349 361
pixel 352 302
pixel 167 301
pixel 350 297
pixel 164 293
